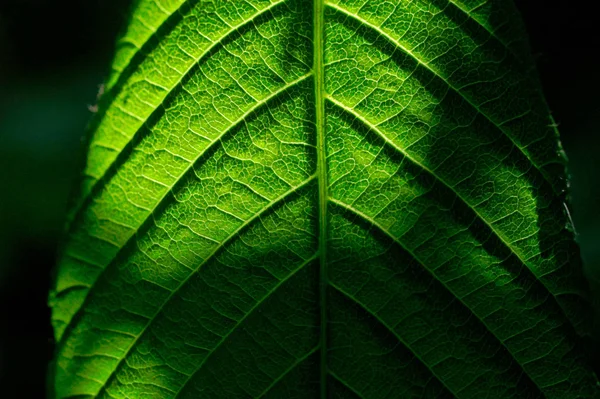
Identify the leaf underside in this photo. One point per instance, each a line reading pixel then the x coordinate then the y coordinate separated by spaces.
pixel 303 199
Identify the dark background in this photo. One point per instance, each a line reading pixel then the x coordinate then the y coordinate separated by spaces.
pixel 53 56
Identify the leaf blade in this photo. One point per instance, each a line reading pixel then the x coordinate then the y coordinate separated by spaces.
pixel 416 164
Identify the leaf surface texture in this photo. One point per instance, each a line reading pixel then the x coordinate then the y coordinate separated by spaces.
pixel 303 199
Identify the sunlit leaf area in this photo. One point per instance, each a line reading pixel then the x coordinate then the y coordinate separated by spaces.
pixel 298 199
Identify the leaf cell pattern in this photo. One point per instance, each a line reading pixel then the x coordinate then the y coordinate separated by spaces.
pixel 329 198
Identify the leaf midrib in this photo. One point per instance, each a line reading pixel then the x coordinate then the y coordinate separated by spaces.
pixel 319 80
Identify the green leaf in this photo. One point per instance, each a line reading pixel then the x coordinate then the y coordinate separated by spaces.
pixel 339 198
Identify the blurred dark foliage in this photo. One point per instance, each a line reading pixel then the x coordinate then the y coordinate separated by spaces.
pixel 53 56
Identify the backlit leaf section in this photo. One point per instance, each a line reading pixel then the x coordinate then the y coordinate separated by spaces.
pixel 334 199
